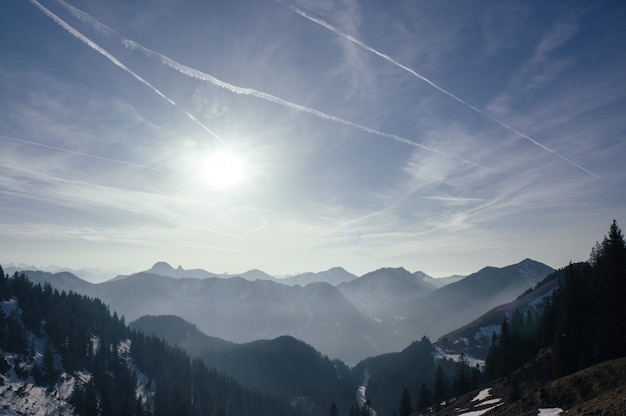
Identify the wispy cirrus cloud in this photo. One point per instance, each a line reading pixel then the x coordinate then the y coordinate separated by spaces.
pixel 115 61
pixel 197 74
pixel 545 47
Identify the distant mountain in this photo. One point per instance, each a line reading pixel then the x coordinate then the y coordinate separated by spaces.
pixel 165 269
pixel 333 276
pixel 443 281
pixel 494 285
pixel 474 337
pixel 62 281
pixel 241 311
pixel 376 293
pixel 382 311
pixel 453 305
pixel 89 274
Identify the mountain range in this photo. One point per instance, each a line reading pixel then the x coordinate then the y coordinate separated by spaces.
pixel 557 344
pixel 382 311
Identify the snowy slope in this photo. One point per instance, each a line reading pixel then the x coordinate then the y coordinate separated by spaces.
pixel 20 395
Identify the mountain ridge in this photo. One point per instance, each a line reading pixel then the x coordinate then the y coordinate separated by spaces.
pixel 382 311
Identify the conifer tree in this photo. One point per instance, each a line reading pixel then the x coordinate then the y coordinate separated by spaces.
pixel 462 376
pixel 492 361
pixel 333 410
pixel 440 392
pixel 610 273
pixel 405 403
pixel 425 398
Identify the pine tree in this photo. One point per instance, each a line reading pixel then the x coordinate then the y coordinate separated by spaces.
pixel 425 397
pixel 462 376
pixel 405 403
pixel 491 363
pixel 440 393
pixel 571 333
pixel 333 410
pixel 610 274
pixel 506 350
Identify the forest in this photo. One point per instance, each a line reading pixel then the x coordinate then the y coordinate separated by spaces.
pixel 87 338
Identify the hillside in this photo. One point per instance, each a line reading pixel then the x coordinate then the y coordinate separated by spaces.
pixel 597 390
pixel 64 354
pixel 382 311
pixel 283 367
pixel 474 338
pixel 288 368
pixel 568 351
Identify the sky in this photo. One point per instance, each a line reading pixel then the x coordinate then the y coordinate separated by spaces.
pixel 299 135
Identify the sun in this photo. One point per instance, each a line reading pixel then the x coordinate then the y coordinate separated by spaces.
pixel 223 169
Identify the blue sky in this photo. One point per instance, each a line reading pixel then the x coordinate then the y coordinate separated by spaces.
pixel 300 135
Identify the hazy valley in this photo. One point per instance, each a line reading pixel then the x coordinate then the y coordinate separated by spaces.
pixel 379 312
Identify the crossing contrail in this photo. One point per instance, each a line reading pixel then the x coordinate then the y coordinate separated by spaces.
pixel 202 76
pixel 61 149
pixel 432 84
pixel 115 61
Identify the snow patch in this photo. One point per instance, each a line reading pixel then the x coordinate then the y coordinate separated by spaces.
pixel 19 397
pixel 550 412
pixel 440 354
pixel 541 298
pixel 487 331
pixel 479 412
pixel 482 395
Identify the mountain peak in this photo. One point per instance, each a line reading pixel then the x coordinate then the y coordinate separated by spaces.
pixel 162 265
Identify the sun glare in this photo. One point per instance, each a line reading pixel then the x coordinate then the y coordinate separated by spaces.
pixel 223 169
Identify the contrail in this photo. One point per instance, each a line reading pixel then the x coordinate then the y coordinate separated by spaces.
pixel 111 58
pixel 194 73
pixel 432 84
pixel 61 149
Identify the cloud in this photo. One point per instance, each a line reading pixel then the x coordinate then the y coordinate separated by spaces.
pixel 544 48
pixel 102 51
pixel 194 73
pixel 73 152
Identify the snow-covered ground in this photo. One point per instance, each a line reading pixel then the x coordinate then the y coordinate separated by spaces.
pixel 482 403
pixel 440 354
pixel 23 397
pixel 550 412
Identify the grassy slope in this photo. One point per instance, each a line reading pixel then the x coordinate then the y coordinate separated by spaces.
pixel 597 390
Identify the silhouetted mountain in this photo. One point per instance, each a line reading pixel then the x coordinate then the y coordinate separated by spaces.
pixel 382 311
pixel 180 333
pixel 283 367
pixel 391 373
pixel 242 311
pixel 376 293
pixel 453 305
pixel 289 368
pixel 443 281
pixel 333 276
pixel 63 281
pixel 474 338
pixel 165 269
